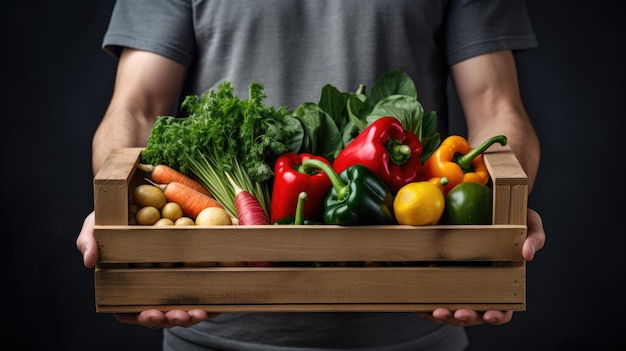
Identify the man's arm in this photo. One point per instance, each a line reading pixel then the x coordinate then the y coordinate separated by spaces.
pixel 488 90
pixel 146 85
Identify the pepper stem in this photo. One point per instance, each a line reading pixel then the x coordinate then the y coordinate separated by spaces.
pixel 398 153
pixel 299 217
pixel 340 187
pixel 465 161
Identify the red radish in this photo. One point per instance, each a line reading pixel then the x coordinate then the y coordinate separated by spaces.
pixel 163 174
pixel 249 212
pixel 192 201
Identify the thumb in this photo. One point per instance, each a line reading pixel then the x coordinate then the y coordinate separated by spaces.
pixel 536 235
pixel 86 243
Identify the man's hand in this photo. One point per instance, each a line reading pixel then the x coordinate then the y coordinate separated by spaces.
pixel 534 242
pixel 87 246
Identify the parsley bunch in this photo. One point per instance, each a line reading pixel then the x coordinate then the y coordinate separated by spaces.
pixel 225 133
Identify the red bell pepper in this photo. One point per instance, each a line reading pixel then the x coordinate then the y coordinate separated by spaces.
pixel 290 179
pixel 385 147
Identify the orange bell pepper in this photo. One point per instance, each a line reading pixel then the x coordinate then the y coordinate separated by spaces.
pixel 457 161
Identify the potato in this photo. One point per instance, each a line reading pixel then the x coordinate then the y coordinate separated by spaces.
pixel 149 195
pixel 184 221
pixel 172 211
pixel 148 215
pixel 213 216
pixel 164 222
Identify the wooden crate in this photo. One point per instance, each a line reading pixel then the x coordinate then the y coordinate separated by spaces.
pixel 475 266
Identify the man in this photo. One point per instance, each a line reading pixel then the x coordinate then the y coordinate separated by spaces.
pixel 171 49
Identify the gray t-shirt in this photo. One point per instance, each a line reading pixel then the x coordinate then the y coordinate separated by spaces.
pixel 294 48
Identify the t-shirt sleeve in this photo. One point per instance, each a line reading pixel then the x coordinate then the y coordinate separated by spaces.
pixel 476 27
pixel 162 27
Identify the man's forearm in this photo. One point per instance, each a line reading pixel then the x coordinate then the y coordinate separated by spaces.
pixel 118 129
pixel 521 138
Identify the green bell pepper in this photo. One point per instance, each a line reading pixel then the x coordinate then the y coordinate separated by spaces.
pixel 357 196
pixel 468 203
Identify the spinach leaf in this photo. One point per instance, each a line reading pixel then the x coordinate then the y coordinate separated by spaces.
pixel 394 82
pixel 321 135
pixel 430 137
pixel 333 102
pixel 405 108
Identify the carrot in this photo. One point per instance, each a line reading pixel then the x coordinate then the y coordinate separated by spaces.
pixel 191 200
pixel 249 210
pixel 163 174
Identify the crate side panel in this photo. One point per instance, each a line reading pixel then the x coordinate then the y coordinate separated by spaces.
pixel 111 186
pixel 111 204
pixel 119 287
pixel 503 166
pixel 510 186
pixel 127 244
pixel 519 204
pixel 119 165
pixel 501 203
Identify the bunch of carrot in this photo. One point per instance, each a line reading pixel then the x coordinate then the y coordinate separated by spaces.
pixel 192 196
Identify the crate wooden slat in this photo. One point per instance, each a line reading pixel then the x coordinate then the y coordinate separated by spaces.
pixel 122 244
pixel 477 267
pixel 321 289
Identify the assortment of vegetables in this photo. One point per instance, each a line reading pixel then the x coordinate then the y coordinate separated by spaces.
pixel 354 158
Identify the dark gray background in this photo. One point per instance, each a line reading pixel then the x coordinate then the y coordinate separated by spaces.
pixel 56 83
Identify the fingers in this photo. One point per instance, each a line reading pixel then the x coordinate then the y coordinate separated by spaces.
pixel 155 319
pixel 536 235
pixel 467 317
pixel 497 317
pixel 85 242
pixel 150 318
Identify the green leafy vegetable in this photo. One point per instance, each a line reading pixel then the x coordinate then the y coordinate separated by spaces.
pixel 393 94
pixel 225 133
pixel 322 136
